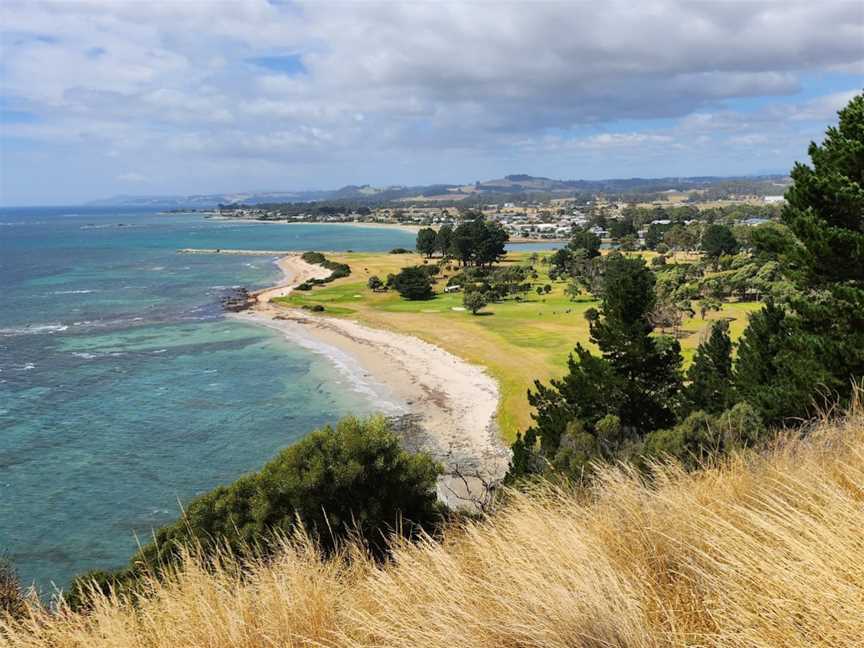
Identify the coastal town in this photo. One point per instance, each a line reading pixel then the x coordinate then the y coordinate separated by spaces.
pixel 531 219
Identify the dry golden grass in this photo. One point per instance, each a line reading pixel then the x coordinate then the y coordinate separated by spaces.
pixel 763 550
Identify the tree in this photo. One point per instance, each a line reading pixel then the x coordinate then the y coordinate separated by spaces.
pixel 353 480
pixel 636 379
pixel 491 243
pixel 374 283
pixel 718 240
pixel 462 242
pixel 710 375
pixel 788 360
pixel 680 237
pixel 777 369
pixel 479 242
pixel 443 240
pixel 426 241
pixel 586 240
pixel 573 290
pixel 413 283
pixel 654 235
pixel 619 229
pixel 474 301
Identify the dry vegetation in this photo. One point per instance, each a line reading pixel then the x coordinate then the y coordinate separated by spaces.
pixel 763 550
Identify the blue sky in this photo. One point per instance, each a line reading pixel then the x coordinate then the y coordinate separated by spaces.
pixel 106 97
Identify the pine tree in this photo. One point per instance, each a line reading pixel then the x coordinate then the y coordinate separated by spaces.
pixel 637 378
pixel 710 375
pixel 819 348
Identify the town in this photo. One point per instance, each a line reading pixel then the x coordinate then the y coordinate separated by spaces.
pixel 618 219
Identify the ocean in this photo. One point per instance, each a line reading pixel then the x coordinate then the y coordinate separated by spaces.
pixel 124 390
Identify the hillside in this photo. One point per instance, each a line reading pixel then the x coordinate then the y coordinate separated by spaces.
pixel 763 550
pixel 509 185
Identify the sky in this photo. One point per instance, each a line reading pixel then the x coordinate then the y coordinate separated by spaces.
pixel 106 97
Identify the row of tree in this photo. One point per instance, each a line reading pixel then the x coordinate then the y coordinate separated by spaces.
pixel 476 241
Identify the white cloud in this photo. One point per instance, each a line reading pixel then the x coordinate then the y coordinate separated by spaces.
pixel 392 79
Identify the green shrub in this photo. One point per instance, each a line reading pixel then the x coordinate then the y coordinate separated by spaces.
pixel 337 270
pixel 352 480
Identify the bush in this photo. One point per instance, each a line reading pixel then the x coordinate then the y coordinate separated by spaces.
pixel 400 251
pixel 337 270
pixel 413 283
pixel 374 283
pixel 353 480
pixel 12 600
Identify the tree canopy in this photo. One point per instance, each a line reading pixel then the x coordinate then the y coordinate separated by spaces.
pixel 478 242
pixel 427 240
pixel 413 283
pixel 789 361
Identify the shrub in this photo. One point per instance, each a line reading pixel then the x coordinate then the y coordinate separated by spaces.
pixel 337 270
pixel 474 301
pixel 375 283
pixel 353 480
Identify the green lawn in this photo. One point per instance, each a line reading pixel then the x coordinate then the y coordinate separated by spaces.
pixel 517 341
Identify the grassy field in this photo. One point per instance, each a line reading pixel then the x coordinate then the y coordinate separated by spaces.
pixel 517 341
pixel 761 551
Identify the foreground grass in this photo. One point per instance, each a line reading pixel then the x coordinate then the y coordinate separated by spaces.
pixel 517 341
pixel 763 550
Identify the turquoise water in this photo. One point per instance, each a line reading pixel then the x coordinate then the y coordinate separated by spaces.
pixel 124 390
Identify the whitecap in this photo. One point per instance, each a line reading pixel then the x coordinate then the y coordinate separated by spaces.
pixel 73 292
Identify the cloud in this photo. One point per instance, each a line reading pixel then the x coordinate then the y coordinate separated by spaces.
pixel 252 79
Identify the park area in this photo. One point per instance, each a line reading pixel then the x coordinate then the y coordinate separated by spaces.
pixel 517 341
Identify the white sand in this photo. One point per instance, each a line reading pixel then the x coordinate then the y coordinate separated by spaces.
pixel 454 402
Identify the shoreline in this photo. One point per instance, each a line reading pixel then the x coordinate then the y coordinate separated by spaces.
pixel 448 405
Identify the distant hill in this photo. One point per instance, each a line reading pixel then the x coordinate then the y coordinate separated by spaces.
pixel 510 185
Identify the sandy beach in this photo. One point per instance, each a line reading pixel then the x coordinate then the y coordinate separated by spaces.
pixel 452 403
